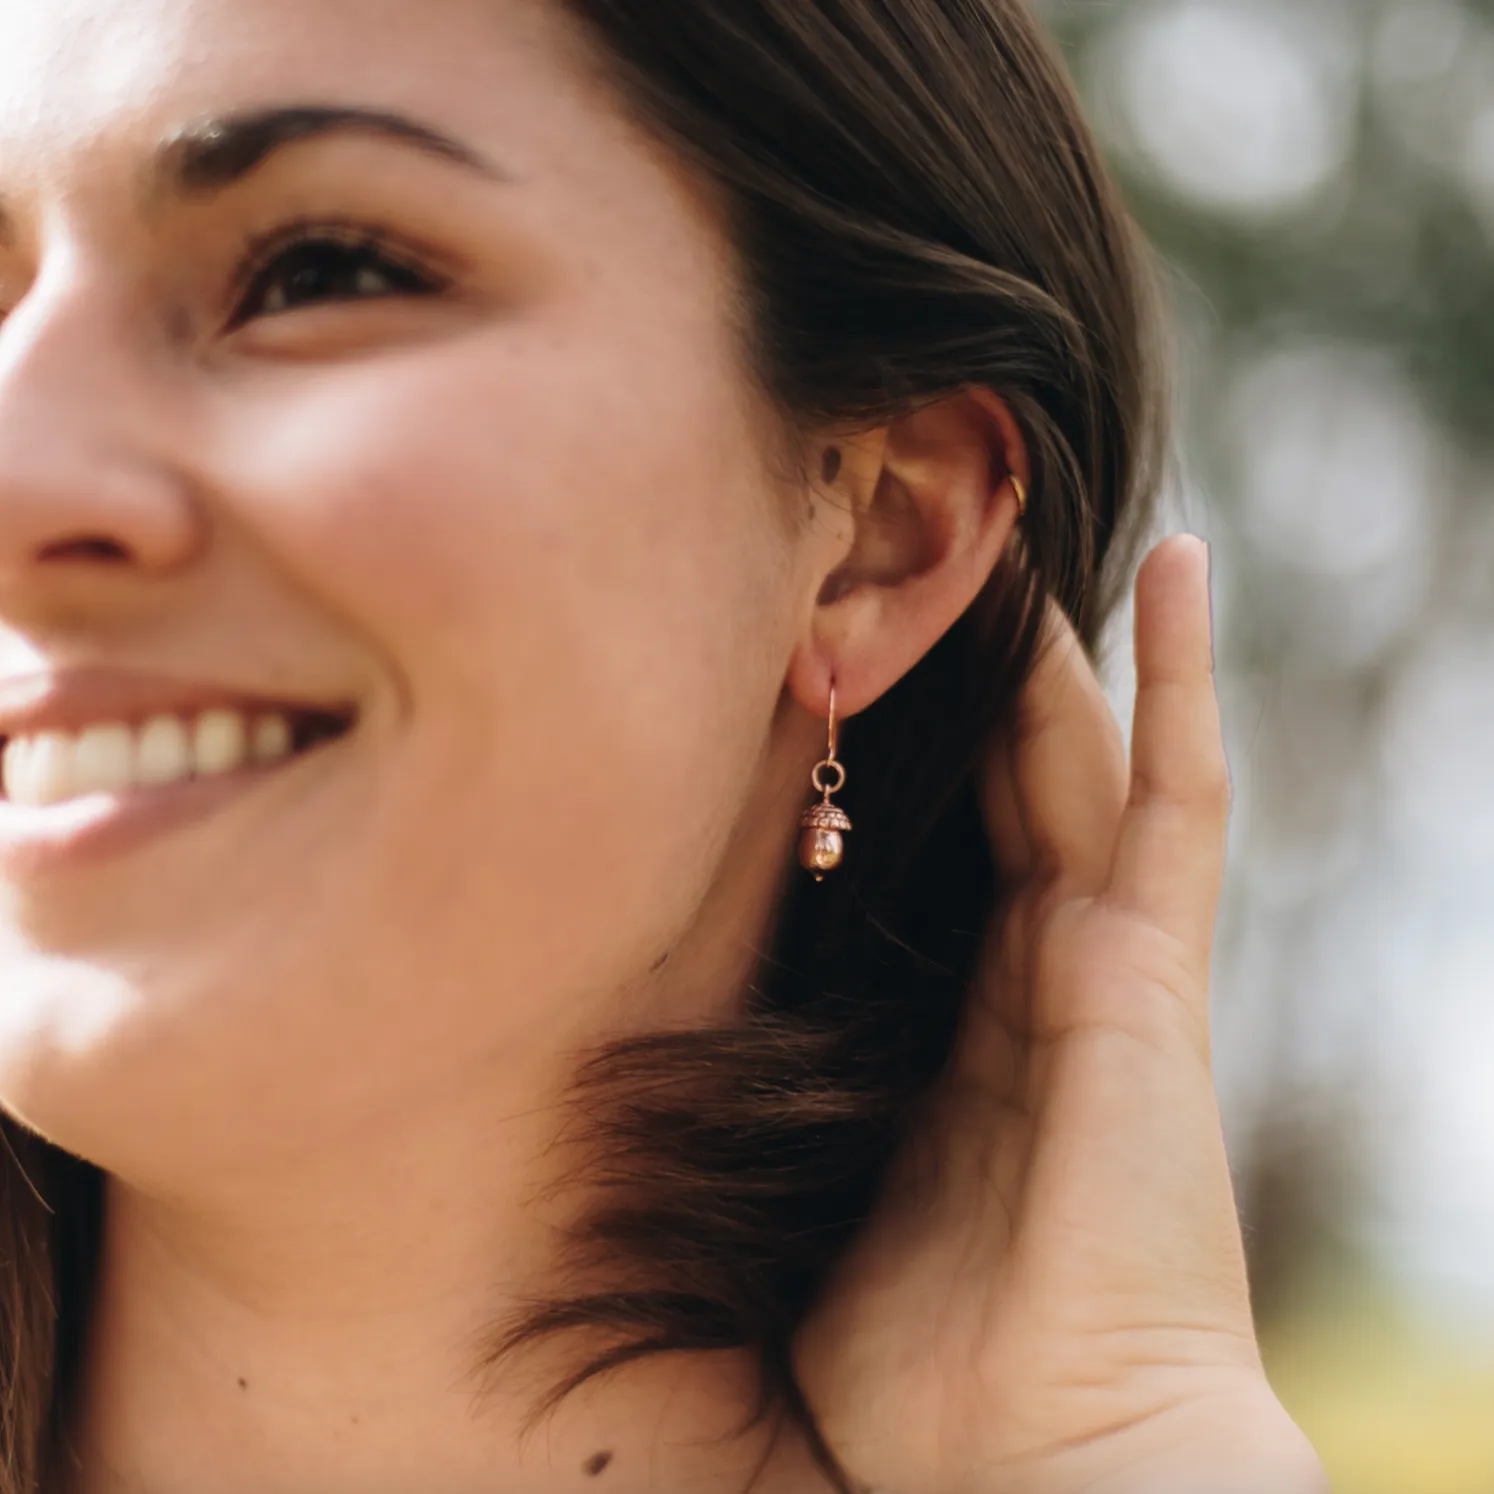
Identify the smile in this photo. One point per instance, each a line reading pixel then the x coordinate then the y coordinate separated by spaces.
pixel 115 757
pixel 71 798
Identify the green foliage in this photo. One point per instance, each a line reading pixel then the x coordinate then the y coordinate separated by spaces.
pixel 1394 253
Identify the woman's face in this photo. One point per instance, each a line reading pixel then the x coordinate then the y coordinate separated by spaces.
pixel 358 355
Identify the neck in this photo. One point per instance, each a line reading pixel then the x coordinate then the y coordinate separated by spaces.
pixel 324 1329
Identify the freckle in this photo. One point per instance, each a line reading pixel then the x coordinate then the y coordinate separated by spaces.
pixel 243 1383
pixel 598 1465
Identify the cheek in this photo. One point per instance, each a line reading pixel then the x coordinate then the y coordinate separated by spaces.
pixel 579 581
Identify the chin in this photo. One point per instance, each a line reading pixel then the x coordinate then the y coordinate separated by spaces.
pixel 63 1029
pixel 93 1066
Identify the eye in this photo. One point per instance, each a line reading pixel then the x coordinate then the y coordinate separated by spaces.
pixel 312 267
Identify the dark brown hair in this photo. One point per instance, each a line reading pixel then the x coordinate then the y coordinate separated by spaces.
pixel 918 208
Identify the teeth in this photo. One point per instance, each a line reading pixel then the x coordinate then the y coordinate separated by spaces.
pixel 50 766
pixel 221 742
pixel 14 767
pixel 104 758
pixel 272 739
pixel 163 751
pixel 112 757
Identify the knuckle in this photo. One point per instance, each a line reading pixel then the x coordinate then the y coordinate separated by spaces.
pixel 1216 788
pixel 1207 788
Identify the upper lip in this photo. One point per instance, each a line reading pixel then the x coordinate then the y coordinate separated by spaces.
pixel 72 700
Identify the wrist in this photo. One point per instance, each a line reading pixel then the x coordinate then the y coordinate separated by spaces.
pixel 1222 1465
pixel 1242 1443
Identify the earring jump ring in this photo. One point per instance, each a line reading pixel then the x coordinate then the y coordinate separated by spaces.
pixel 818 777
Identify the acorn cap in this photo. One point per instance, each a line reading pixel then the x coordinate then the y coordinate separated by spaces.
pixel 825 817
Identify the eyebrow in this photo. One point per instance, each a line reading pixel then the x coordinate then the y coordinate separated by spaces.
pixel 211 155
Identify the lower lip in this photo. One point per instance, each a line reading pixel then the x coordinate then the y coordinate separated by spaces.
pixel 84 832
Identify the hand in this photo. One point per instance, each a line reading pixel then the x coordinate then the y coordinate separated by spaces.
pixel 1052 1296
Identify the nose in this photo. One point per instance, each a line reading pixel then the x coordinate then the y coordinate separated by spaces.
pixel 89 496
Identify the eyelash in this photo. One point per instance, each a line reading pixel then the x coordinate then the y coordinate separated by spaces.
pixel 356 248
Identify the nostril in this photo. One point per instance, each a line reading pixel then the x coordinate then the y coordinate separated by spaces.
pixel 85 549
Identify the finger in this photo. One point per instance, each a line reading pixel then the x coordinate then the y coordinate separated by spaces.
pixel 1054 794
pixel 1169 858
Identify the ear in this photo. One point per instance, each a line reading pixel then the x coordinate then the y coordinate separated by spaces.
pixel 934 507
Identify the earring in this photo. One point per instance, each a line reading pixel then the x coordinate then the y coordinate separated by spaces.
pixel 822 847
pixel 1021 493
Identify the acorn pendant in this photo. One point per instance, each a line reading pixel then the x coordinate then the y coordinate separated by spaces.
pixel 822 846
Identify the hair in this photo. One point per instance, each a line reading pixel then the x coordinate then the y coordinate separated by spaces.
pixel 918 209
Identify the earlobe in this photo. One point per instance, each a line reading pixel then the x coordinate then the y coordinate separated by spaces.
pixel 932 520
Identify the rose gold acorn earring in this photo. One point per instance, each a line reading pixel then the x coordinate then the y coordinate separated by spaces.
pixel 822 847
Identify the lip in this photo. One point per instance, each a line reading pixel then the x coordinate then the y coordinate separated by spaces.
pixel 69 701
pixel 84 833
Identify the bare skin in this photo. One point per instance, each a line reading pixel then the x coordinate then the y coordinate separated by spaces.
pixel 508 490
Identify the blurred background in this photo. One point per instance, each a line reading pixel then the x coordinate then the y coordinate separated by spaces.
pixel 1319 175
